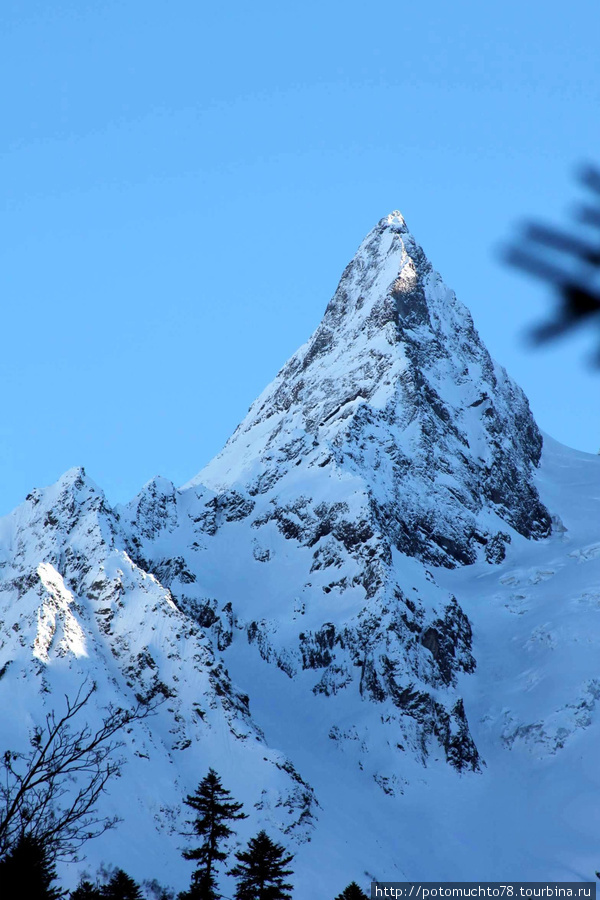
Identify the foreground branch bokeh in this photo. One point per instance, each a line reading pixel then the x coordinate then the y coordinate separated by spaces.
pixel 567 260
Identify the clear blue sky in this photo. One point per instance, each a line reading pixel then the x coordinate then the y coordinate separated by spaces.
pixel 183 183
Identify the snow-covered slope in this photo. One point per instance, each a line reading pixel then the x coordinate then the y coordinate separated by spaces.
pixel 374 613
pixel 74 606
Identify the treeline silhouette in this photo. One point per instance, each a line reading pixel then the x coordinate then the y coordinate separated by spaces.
pixel 261 871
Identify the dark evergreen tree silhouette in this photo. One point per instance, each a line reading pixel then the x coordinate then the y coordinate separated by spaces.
pixel 121 887
pixel 85 890
pixel 352 892
pixel 214 809
pixel 28 871
pixel 262 871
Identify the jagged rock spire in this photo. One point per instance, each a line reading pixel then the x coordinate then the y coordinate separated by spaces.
pixel 396 386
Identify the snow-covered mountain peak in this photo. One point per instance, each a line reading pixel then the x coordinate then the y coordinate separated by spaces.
pixel 72 475
pixel 347 612
pixel 73 490
pixel 388 254
pixel 395 220
pixel 396 388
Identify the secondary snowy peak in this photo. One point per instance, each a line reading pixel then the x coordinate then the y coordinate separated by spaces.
pixel 396 387
pixel 77 606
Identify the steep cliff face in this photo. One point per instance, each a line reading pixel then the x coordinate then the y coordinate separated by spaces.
pixel 303 608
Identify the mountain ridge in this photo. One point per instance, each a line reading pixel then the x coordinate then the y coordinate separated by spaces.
pixel 308 606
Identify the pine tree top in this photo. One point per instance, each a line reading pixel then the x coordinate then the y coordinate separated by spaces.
pixel 27 871
pixel 212 799
pixel 121 887
pixel 262 869
pixel 352 892
pixel 85 890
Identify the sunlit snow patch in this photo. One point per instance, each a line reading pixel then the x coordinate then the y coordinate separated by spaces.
pixel 56 607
